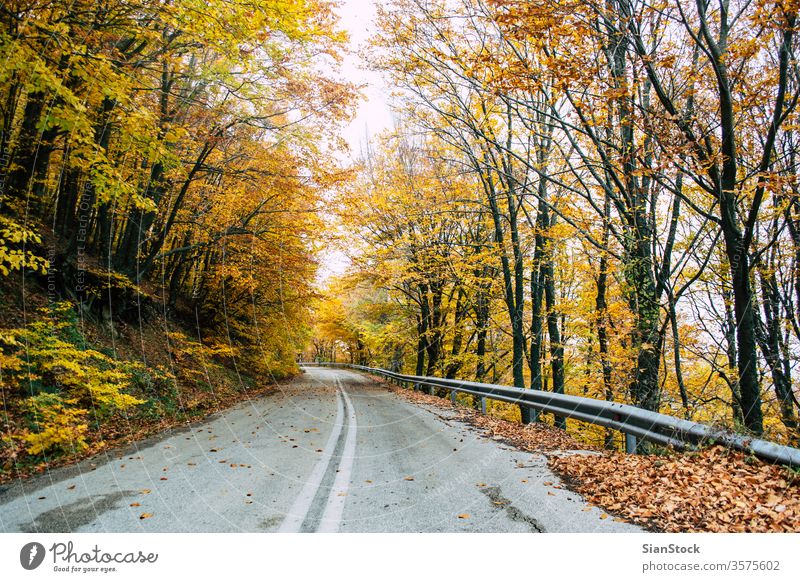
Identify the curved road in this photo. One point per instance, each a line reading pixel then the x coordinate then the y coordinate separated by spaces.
pixel 332 451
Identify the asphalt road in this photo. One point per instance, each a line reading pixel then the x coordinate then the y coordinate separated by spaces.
pixel 332 451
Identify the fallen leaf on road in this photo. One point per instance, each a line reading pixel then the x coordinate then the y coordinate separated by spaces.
pixel 144 491
pixel 604 516
pixel 163 478
pixel 135 504
pixel 409 478
pixel 145 515
pixel 71 487
pixel 551 493
pixel 463 516
pixel 368 481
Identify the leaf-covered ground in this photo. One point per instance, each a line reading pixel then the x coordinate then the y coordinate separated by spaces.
pixel 714 490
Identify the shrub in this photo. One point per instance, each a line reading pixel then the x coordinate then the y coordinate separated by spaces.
pixel 56 423
pixel 47 356
pixel 58 378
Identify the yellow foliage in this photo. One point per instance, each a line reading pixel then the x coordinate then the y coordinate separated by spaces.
pixel 58 424
pixel 47 353
pixel 200 357
pixel 14 259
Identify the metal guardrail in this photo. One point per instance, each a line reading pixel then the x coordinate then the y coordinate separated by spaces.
pixel 635 423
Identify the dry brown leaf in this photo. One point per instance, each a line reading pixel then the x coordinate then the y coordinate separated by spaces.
pixel 715 490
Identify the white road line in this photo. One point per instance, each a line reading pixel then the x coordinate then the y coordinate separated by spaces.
pixel 332 517
pixel 297 514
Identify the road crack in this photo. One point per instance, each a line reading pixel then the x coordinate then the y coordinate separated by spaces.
pixel 514 513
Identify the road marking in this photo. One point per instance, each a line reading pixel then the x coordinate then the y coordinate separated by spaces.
pixel 297 514
pixel 334 508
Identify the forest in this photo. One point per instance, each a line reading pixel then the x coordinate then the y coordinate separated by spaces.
pixel 161 164
pixel 596 198
pixel 588 197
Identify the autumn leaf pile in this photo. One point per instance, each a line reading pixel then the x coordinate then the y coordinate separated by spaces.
pixel 715 490
pixel 528 437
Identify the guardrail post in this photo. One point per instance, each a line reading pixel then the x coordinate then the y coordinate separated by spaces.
pixel 630 444
pixel 483 405
pixel 453 396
